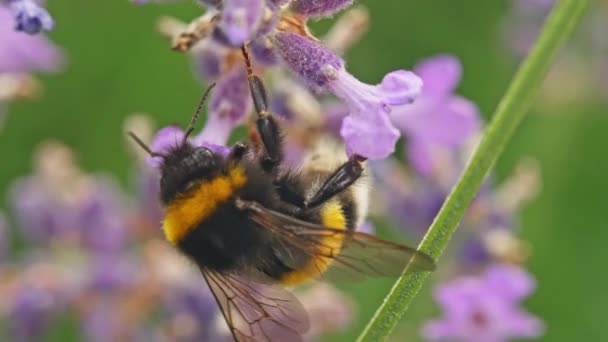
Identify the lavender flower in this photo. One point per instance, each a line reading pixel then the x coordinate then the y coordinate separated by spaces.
pixel 438 120
pixel 240 19
pixel 102 219
pixel 21 53
pixel 30 16
pixel 485 308
pixel 315 8
pixel 101 323
pixel 30 310
pixel 60 202
pixel 369 106
pixel 110 272
pixel 193 312
pixel 229 105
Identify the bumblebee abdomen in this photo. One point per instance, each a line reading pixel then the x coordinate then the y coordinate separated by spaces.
pixel 224 241
pixel 332 214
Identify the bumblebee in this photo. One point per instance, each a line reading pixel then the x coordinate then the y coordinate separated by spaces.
pixel 254 227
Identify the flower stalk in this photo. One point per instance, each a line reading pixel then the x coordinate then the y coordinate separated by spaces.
pixel 510 111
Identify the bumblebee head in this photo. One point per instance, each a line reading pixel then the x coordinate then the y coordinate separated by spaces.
pixel 184 167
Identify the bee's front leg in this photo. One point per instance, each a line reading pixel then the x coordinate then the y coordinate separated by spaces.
pixel 267 127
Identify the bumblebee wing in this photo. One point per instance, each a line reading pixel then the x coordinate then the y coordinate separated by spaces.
pixel 351 255
pixel 255 311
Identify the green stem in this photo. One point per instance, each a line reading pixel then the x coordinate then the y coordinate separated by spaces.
pixel 510 111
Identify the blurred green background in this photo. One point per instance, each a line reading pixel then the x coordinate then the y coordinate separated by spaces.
pixel 119 64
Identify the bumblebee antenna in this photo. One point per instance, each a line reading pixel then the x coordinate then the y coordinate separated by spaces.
pixel 197 112
pixel 144 146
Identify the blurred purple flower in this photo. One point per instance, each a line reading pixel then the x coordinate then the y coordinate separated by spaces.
pixel 4 242
pixel 110 272
pixel 30 16
pixel 164 140
pixel 101 219
pixel 485 308
pixel 229 105
pixel 316 8
pixel 22 53
pixel 438 119
pixel 171 136
pixel 30 311
pixel 209 60
pixel 101 323
pixel 263 52
pixel 39 215
pixel 150 212
pixel 193 315
pixel 369 106
pixel 412 202
pixel 240 20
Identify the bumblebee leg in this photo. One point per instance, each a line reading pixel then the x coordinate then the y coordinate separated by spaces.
pixel 288 192
pixel 341 179
pixel 267 126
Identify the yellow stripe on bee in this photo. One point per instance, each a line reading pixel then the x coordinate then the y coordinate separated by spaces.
pixel 332 216
pixel 187 211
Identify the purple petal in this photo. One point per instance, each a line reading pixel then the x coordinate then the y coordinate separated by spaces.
pixel 30 312
pixel 420 155
pixel 22 53
pixel 370 134
pixel 263 52
pixel 229 105
pixel 399 87
pixel 526 325
pixel 368 130
pixel 434 126
pixel 510 282
pixel 305 57
pixel 475 309
pixel 319 8
pixel 30 17
pixel 219 149
pixel 166 139
pixel 441 74
pixel 437 115
pixel 240 19
pixel 208 59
